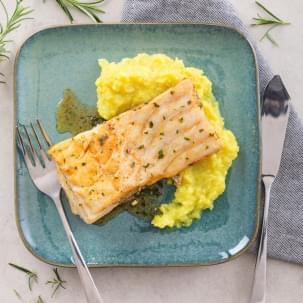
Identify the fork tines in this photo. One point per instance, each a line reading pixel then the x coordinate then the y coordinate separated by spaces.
pixel 32 141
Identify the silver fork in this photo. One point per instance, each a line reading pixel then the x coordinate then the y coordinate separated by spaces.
pixel 43 173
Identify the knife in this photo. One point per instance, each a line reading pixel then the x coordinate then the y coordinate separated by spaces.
pixel 274 119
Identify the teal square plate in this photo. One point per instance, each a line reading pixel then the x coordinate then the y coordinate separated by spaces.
pixel 66 57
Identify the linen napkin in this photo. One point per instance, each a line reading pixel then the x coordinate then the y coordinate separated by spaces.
pixel 285 234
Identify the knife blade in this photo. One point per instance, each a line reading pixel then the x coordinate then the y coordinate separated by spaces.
pixel 274 120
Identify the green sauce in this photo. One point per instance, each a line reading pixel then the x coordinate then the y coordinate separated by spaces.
pixel 75 117
pixel 145 203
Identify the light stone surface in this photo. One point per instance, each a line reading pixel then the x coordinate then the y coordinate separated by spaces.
pixel 227 283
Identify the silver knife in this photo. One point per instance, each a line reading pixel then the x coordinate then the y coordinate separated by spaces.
pixel 274 119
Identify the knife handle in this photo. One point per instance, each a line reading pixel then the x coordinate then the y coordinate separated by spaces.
pixel 259 284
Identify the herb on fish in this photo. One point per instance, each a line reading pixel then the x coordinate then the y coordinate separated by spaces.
pixel 151 124
pixel 172 92
pixel 273 21
pixel 133 165
pixel 181 119
pixel 32 276
pixel 201 130
pixel 89 9
pixel 146 165
pixel 177 131
pixel 57 282
pixel 12 23
pixel 156 105
pixel 141 146
pixel 186 138
pixel 160 154
pixel 102 139
pixel 162 134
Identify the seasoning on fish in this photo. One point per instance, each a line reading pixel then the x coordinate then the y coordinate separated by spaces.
pixel 102 167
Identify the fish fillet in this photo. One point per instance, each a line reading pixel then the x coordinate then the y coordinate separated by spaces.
pixel 100 168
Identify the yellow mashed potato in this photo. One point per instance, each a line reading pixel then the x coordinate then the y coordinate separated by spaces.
pixel 130 82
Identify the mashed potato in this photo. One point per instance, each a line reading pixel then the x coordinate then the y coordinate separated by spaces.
pixel 130 82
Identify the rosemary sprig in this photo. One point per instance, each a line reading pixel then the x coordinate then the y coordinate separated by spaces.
pixel 32 276
pixel 56 282
pixel 88 8
pixel 273 21
pixel 11 23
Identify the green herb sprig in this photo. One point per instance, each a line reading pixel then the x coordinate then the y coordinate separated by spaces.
pixel 89 8
pixel 11 23
pixel 32 276
pixel 57 282
pixel 271 20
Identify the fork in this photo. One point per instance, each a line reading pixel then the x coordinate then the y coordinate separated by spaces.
pixel 43 173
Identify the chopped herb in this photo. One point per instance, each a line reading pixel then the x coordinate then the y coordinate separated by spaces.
pixel 189 102
pixel 103 194
pixel 186 158
pixel 160 154
pixel 32 276
pixel 172 92
pixel 83 163
pixel 162 134
pixel 156 104
pixel 181 119
pixel 56 282
pixel 201 130
pixel 211 134
pixel 133 165
pixel 207 147
pixel 174 151
pixel 132 123
pixel 146 165
pixel 102 139
pixel 151 124
pixel 141 146
pixel 164 118
pixel 186 138
pixel 201 105
pixel 177 131
pixel 146 132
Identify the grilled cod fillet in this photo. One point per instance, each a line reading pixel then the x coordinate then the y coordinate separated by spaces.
pixel 98 169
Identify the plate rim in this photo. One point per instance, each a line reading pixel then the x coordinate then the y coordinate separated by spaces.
pixel 131 265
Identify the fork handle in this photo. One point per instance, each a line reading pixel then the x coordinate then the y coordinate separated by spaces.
pixel 259 285
pixel 91 292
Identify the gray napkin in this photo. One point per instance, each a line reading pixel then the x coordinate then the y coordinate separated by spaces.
pixel 286 210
